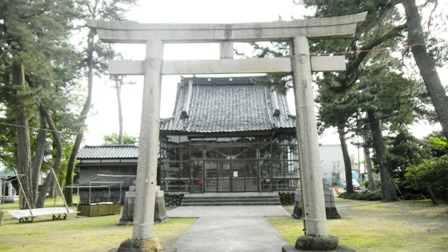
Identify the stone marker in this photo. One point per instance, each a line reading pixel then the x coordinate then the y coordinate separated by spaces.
pixel 127 217
pixel 330 206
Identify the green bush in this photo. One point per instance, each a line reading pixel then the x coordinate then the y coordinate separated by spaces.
pixel 286 198
pixel 431 173
pixel 365 183
pixel 369 196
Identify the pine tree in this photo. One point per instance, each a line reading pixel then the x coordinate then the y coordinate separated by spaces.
pixel 33 37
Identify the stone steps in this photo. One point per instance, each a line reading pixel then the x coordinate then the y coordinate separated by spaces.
pixel 231 200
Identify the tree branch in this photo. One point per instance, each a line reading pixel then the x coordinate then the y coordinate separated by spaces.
pixel 364 50
pixel 353 68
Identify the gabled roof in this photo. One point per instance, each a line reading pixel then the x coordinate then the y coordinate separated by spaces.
pixel 108 152
pixel 227 105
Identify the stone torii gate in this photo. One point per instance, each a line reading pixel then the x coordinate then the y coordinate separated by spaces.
pixel 299 63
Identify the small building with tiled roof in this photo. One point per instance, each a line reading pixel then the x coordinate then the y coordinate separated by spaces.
pixel 121 153
pixel 105 172
pixel 228 135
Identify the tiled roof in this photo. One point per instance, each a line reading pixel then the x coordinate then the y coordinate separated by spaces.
pixel 215 105
pixel 108 151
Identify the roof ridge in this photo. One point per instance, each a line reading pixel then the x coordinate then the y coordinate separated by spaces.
pixel 112 145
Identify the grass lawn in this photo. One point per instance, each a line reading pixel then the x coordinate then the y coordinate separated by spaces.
pixel 364 226
pixel 77 233
pixel 376 226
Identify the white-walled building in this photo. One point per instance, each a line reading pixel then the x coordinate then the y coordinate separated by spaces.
pixel 332 164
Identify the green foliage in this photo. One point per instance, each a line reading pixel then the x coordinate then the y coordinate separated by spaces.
pixel 7 142
pixel 35 34
pixel 341 7
pixel 365 183
pixel 97 53
pixel 431 173
pixel 437 144
pixel 396 100
pixel 374 80
pixel 420 165
pixel 335 109
pixel 369 196
pixel 404 150
pixel 113 139
pixel 278 82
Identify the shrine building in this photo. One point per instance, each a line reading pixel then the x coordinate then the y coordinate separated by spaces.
pixel 228 135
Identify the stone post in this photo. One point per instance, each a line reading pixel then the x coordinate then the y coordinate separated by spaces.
pixel 226 50
pixel 146 183
pixel 310 171
pixel 148 143
pixel 11 191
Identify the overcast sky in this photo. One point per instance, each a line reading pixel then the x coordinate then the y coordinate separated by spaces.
pixel 103 119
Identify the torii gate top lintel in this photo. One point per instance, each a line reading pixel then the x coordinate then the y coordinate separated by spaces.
pixel 133 32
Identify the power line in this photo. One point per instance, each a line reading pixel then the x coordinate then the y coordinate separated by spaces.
pixel 29 127
pixel 362 51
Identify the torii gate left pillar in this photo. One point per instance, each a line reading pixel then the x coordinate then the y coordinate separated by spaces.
pixel 300 64
pixel 146 183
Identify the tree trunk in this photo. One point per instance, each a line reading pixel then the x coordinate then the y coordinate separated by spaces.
pixel 432 196
pixel 82 119
pixel 71 164
pixel 347 161
pixel 47 185
pixel 23 137
pixel 425 63
pixel 118 84
pixel 387 187
pixel 39 157
pixel 372 186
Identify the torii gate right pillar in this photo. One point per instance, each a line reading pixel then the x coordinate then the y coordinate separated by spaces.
pixel 310 171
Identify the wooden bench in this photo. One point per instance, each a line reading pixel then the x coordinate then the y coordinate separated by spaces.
pixel 28 215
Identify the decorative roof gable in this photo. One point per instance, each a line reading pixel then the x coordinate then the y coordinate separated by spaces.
pixel 218 105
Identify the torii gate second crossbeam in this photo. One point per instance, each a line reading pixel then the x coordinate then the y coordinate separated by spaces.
pixel 299 63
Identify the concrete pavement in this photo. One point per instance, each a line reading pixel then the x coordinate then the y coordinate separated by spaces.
pixel 227 211
pixel 229 228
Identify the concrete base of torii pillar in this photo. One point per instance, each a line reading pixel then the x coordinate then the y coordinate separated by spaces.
pixel 340 248
pixel 145 245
